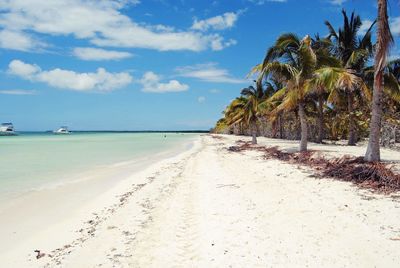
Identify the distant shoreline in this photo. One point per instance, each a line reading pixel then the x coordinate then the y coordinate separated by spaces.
pixel 121 131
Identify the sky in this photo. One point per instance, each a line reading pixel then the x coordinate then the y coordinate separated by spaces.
pixel 145 64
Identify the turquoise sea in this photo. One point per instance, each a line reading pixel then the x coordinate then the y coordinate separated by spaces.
pixel 34 160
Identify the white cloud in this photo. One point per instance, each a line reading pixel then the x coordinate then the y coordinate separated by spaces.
pixel 366 24
pixel 17 40
pixel 123 3
pixel 151 83
pixel 261 2
pixel 101 80
pixel 221 22
pixel 98 54
pixel 208 72
pixel 22 69
pixel 100 22
pixel 18 92
pixel 218 43
pixel 337 2
pixel 201 99
pixel 394 56
pixel 215 91
pixel 395 26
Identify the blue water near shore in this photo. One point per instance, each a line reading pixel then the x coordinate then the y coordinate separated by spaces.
pixel 32 160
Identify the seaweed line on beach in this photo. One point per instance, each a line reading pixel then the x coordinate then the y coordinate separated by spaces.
pixel 377 176
pixel 58 254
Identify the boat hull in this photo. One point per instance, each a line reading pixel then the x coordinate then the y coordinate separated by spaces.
pixel 61 133
pixel 8 134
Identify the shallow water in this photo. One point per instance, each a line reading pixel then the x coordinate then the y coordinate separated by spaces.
pixel 35 160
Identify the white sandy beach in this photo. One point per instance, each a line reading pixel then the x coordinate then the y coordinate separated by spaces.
pixel 208 207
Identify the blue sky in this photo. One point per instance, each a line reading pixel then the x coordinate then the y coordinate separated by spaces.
pixel 144 65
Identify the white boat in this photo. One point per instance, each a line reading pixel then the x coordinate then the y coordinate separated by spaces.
pixel 62 130
pixel 7 129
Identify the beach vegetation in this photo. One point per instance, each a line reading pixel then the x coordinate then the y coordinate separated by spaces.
pixel 341 86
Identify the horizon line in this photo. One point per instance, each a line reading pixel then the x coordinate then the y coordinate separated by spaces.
pixel 190 130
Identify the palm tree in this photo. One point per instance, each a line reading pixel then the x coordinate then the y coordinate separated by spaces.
pixel 221 127
pixel 284 50
pixel 391 77
pixel 392 80
pixel 245 110
pixel 384 40
pixel 268 107
pixel 334 78
pixel 234 112
pixel 354 53
pixel 322 48
pixel 292 60
pixel 254 97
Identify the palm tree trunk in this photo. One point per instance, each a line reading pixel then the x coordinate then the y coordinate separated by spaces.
pixel 373 150
pixel 320 118
pixel 298 132
pixel 280 126
pixel 352 124
pixel 304 130
pixel 274 129
pixel 384 39
pixel 253 131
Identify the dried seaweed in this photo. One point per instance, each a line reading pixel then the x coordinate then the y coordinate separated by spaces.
pixel 217 137
pixel 376 175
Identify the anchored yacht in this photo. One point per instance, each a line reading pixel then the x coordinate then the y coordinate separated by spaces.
pixel 7 129
pixel 62 130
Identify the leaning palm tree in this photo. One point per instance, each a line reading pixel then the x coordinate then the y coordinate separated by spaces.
pixel 233 112
pixel 354 53
pixel 284 50
pixel 254 97
pixel 268 107
pixel 245 110
pixel 293 61
pixel 384 39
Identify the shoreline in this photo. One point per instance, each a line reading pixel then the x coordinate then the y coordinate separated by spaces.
pixel 208 207
pixel 70 158
pixel 34 215
pixel 87 174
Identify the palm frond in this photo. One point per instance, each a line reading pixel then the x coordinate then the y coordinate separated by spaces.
pixel 392 87
pixel 332 31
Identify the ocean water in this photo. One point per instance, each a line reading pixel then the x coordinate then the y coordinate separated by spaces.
pixel 34 160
